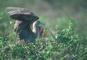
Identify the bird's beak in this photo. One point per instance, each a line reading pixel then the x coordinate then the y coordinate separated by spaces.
pixel 41 23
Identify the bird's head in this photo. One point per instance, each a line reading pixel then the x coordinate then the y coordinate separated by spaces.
pixel 42 30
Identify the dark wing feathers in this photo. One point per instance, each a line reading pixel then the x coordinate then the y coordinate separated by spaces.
pixel 18 13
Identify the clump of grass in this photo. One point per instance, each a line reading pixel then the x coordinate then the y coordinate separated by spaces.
pixel 65 45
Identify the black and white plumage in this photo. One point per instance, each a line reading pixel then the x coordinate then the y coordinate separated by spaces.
pixel 24 20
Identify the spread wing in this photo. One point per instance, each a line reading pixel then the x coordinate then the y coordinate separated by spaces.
pixel 17 10
pixel 22 14
pixel 18 13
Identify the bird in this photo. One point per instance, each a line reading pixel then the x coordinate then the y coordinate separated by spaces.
pixel 24 31
pixel 27 25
